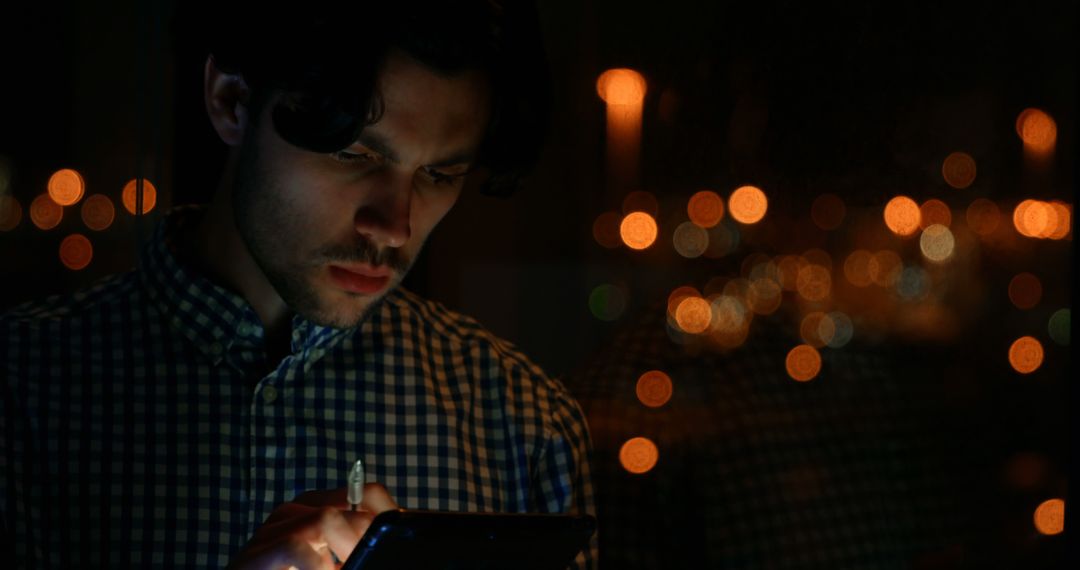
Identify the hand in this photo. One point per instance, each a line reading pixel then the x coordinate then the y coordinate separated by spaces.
pixel 303 532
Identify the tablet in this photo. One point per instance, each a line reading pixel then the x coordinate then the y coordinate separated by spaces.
pixel 458 541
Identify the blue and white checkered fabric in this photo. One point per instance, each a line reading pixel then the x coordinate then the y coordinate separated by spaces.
pixel 140 424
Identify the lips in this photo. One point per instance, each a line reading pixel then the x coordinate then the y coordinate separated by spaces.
pixel 363 279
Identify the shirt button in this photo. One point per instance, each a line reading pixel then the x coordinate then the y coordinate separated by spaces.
pixel 296 336
pixel 269 394
pixel 244 329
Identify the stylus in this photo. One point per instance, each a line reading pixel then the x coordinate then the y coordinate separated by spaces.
pixel 356 485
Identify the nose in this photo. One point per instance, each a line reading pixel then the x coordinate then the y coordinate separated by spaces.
pixel 383 217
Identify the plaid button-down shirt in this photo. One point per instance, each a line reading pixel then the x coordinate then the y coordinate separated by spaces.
pixel 139 425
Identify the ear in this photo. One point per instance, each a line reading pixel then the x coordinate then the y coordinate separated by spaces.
pixel 227 98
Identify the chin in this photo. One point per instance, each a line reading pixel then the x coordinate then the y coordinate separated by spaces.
pixel 347 313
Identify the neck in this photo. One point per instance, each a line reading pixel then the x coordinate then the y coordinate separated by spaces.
pixel 215 246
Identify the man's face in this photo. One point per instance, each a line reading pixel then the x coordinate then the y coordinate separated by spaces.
pixel 333 233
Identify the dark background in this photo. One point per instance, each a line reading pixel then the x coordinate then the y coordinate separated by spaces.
pixel 797 98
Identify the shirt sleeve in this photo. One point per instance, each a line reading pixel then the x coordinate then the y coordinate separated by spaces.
pixel 564 481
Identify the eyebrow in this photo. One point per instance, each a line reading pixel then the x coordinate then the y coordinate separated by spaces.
pixel 380 145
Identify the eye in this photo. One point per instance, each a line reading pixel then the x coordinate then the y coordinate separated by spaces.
pixel 354 158
pixel 443 179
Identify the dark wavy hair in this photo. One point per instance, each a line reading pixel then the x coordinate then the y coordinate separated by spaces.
pixel 324 58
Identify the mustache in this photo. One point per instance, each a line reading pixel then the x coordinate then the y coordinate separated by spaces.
pixel 366 252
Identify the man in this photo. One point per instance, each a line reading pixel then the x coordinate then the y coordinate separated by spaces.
pixel 204 409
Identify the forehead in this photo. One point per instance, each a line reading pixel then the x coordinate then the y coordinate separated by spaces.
pixel 425 113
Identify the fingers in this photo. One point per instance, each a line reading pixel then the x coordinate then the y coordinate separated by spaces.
pixel 377 499
pixel 337 531
pixel 304 531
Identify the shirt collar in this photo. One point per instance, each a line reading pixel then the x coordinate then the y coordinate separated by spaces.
pixel 219 322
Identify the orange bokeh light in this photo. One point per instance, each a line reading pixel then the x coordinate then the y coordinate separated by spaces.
pixel 828 211
pixel 10 213
pixel 605 230
pixel 1025 291
pixel 902 216
pixel 857 268
pixel 45 213
pixel 149 196
pixel 66 187
pixel 693 315
pixel 983 216
pixel 705 208
pixel 1050 517
pixel 934 211
pixel 98 212
pixel 810 329
pixel 639 455
pixel 814 283
pixel 76 252
pixel 621 86
pixel 638 230
pixel 788 266
pixel 1038 219
pixel 764 296
pixel 748 204
pixel 729 314
pixel 1062 215
pixel 1037 129
pixel 958 170
pixel 1026 354
pixel 803 363
pixel 677 296
pixel 654 388
pixel 1034 218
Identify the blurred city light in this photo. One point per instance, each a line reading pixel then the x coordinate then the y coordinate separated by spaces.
pixel 705 208
pixel 76 252
pixel 1050 517
pixel 902 216
pixel 638 230
pixel 639 455
pixel 748 204
pixel 1026 355
pixel 1025 290
pixel 45 213
pixel 149 195
pixel 98 212
pixel 690 240
pixel 803 363
pixel 607 302
pixel 958 170
pixel 66 187
pixel 654 388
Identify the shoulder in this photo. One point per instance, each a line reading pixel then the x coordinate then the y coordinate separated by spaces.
pixel 433 321
pixel 499 361
pixel 102 298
